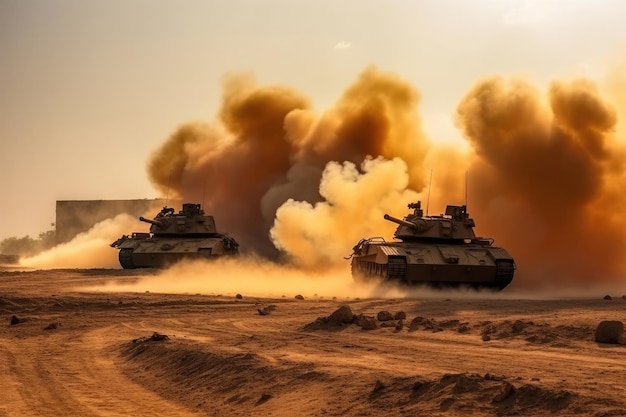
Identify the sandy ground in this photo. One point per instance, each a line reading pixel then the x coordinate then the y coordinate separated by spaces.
pixel 72 351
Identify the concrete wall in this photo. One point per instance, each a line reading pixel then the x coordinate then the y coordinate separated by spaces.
pixel 74 217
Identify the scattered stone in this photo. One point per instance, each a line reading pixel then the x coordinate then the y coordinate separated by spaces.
pixel 238 296
pixel 265 310
pixel 490 329
pixel 343 315
pixel 431 325
pixel 506 391
pixel 299 297
pixel 486 338
pixel 399 325
pixel 52 326
pixel 264 398
pixel 400 315
pixel 608 297
pixel 449 323
pixel 378 386
pixel 463 329
pixel 340 317
pixel 365 322
pixel 610 331
pixel 158 337
pixel 419 384
pixel 518 326
pixel 388 324
pixel 416 323
pixel 16 320
pixel 465 383
pixel 384 316
pixel 490 377
pixel 623 297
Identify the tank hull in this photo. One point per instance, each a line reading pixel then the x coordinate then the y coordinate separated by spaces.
pixel 438 265
pixel 159 252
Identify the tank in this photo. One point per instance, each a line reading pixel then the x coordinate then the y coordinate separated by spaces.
pixel 439 251
pixel 190 234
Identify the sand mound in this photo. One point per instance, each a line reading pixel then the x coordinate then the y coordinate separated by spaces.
pixel 248 383
pixel 190 371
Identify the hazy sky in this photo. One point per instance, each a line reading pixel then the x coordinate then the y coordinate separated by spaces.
pixel 89 88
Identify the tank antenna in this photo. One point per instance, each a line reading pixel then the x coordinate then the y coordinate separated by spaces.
pixel 466 175
pixel 203 192
pixel 167 193
pixel 429 184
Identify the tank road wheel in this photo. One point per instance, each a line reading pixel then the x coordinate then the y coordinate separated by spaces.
pixel 126 258
pixel 505 269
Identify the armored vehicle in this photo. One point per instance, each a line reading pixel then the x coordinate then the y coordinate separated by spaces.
pixel 438 251
pixel 186 235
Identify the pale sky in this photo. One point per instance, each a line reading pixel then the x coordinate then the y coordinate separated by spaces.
pixel 89 88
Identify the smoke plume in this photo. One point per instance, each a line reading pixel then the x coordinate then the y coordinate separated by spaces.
pixel 268 146
pixel 353 207
pixel 545 172
pixel 548 178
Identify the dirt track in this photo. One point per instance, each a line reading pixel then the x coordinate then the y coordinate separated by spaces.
pixel 92 354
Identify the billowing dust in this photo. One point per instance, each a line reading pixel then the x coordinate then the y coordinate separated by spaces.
pixel 252 276
pixel 545 171
pixel 269 146
pixel 548 179
pixel 313 235
pixel 545 174
pixel 86 250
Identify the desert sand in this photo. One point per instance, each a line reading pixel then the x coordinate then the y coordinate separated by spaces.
pixel 70 347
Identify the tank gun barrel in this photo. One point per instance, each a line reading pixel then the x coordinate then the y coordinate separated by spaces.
pixel 418 225
pixel 154 222
pixel 400 221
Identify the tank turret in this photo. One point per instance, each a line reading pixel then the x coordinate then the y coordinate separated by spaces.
pixel 453 226
pixel 434 250
pixel 188 234
pixel 191 220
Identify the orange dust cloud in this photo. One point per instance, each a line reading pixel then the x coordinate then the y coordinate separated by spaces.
pixel 269 147
pixel 87 250
pixel 249 276
pixel 255 277
pixel 353 207
pixel 545 172
pixel 548 179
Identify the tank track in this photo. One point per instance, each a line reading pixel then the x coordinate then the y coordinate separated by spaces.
pixel 394 269
pixel 126 258
pixel 505 269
